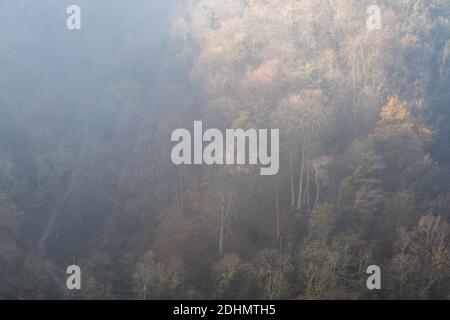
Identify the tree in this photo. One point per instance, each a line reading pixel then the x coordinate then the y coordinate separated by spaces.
pixel 155 280
pixel 421 266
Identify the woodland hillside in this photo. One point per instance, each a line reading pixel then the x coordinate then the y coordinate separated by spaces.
pixel 85 170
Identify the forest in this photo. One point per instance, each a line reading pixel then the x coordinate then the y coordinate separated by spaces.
pixel 86 177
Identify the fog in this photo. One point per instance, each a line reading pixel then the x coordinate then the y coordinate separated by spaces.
pixel 361 178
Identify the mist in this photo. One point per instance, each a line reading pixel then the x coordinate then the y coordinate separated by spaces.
pixel 360 174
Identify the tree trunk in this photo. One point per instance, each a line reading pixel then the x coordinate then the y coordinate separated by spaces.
pixel 277 203
pixel 300 190
pixel 316 173
pixel 278 217
pixel 181 189
pixel 222 222
pixel 308 173
pixel 291 175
